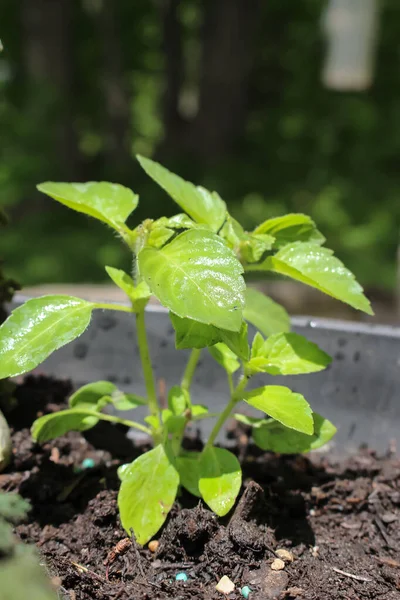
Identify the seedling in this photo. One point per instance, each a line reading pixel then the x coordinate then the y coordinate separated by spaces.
pixel 193 263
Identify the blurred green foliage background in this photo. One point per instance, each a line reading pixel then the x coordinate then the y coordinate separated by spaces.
pixel 227 93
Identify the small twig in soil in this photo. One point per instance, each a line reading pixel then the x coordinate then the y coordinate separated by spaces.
pixel 383 533
pixel 390 562
pixel 83 569
pixel 182 565
pixel 356 577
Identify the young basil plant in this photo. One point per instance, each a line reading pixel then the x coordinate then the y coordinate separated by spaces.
pixel 193 263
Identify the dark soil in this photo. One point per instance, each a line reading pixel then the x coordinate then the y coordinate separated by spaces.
pixel 340 521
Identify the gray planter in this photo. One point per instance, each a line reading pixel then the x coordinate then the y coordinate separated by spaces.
pixel 360 392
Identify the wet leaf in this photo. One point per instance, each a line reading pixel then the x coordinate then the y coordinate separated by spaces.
pixel 283 405
pixel 34 330
pixel 148 490
pixel 196 276
pixel 294 227
pixel 318 268
pixel 220 479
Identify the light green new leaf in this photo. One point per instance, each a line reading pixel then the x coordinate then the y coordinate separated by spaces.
pixel 249 246
pixel 122 280
pixel 287 354
pixel 294 227
pixel 225 357
pixel 220 478
pixel 34 330
pixel 283 405
pixel 59 423
pixel 189 472
pixel 199 412
pixel 122 401
pixel 317 267
pixel 179 221
pixel 147 493
pixel 192 334
pixel 265 314
pixel 178 400
pixel 196 276
pixel 277 438
pixel 200 204
pixel 109 202
pixel 159 236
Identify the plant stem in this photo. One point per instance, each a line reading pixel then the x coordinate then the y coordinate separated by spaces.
pixel 113 419
pixel 113 307
pixel 236 397
pixel 190 368
pixel 146 364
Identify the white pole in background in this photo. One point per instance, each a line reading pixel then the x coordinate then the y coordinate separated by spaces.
pixel 351 28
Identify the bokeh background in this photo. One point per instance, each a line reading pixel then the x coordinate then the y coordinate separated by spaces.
pixel 279 105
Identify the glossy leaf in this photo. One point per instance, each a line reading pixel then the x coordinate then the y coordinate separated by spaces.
pixel 200 204
pixel 192 334
pixel 265 314
pixel 148 490
pixel 220 478
pixel 317 267
pixel 283 405
pixel 277 438
pixel 34 330
pixel 198 277
pixel 122 280
pixel 59 423
pixel 287 354
pixel 189 472
pixel 225 357
pixel 109 202
pixel 294 227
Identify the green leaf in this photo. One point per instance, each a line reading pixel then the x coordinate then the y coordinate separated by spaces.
pixel 139 294
pixel 109 202
pixel 189 472
pixel 180 221
pixel 265 314
pixel 286 354
pixel 34 330
pixel 200 204
pixel 178 400
pixel 159 236
pixel 254 422
pixel 59 423
pixel 123 401
pixel 277 438
pixel 5 443
pixel 174 424
pixel 220 478
pixel 147 493
pixel 225 357
pixel 283 405
pixel 318 268
pixel 198 277
pixel 192 334
pixel 249 246
pixel 89 395
pixel 199 411
pixel 294 227
pixel 122 280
